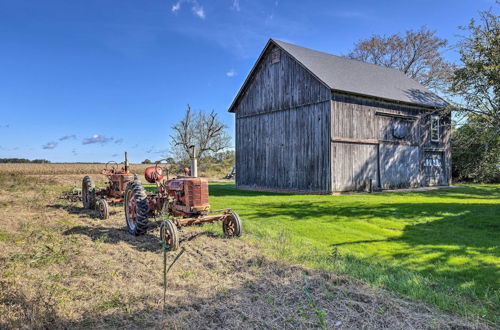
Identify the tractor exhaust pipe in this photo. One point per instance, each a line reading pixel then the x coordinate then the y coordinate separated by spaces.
pixel 194 168
pixel 194 162
pixel 126 162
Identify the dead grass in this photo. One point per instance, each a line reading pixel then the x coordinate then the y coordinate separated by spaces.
pixel 60 267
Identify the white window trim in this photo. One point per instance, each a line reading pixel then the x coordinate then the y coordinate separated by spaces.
pixel 433 118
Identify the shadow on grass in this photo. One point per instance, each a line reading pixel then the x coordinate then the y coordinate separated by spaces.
pixel 80 211
pixel 147 242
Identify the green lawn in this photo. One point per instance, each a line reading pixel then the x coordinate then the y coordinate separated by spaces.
pixel 440 246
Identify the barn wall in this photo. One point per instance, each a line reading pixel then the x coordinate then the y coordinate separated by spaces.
pixel 286 150
pixel 365 147
pixel 282 128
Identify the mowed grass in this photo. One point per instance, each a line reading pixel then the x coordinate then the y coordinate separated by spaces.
pixel 439 246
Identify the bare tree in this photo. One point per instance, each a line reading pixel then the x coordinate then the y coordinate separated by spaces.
pixel 416 53
pixel 203 131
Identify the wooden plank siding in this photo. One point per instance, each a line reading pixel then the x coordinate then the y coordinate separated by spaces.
pixel 359 126
pixel 283 129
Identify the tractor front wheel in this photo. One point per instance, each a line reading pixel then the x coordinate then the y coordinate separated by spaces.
pixel 232 225
pixel 170 235
pixel 136 208
pixel 103 209
pixel 88 193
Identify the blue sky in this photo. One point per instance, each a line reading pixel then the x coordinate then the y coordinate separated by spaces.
pixel 85 80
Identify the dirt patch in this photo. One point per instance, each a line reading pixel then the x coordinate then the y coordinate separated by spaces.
pixel 61 267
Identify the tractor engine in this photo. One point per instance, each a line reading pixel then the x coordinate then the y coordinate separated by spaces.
pixel 118 183
pixel 188 196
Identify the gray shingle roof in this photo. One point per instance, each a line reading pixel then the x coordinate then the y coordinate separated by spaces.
pixel 343 74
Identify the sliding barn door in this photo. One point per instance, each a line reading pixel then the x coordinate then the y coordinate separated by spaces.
pixel 399 166
pixel 354 166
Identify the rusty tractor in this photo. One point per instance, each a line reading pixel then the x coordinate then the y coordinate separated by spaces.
pixel 114 191
pixel 182 201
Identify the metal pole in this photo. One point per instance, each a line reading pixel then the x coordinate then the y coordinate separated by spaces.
pixel 194 164
pixel 126 162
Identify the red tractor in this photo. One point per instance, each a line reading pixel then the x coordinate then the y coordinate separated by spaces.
pixel 183 201
pixel 112 193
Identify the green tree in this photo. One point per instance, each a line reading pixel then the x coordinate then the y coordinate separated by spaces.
pixel 476 84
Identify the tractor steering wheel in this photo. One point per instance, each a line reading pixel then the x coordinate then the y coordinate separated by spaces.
pixel 112 164
pixel 159 170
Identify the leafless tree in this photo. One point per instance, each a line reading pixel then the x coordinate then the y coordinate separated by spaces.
pixel 204 131
pixel 416 53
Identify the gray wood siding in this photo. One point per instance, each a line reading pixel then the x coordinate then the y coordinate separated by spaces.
pixel 361 125
pixel 286 150
pixel 280 86
pixel 353 165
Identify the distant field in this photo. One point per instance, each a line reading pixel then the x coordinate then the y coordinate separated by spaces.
pixel 27 168
pixel 213 171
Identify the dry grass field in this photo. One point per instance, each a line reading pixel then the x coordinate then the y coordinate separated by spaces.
pixel 61 267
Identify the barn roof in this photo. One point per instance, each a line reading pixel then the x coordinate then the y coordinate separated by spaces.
pixel 353 76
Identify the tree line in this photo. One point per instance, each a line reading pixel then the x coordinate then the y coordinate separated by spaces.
pixel 23 160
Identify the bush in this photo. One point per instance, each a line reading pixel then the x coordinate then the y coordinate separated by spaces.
pixel 475 153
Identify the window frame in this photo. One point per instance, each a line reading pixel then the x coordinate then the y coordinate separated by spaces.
pixel 435 118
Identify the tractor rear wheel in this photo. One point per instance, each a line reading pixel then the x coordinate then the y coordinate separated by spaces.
pixel 103 209
pixel 136 208
pixel 169 234
pixel 88 193
pixel 232 225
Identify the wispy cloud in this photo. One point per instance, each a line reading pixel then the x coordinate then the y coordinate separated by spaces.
pixel 50 145
pixel 114 155
pixel 236 5
pixel 119 141
pixel 5 126
pixel 231 73
pixel 176 7
pixel 74 152
pixel 196 8
pixel 68 137
pixel 97 138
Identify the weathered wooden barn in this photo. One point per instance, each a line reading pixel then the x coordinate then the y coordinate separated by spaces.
pixel 309 121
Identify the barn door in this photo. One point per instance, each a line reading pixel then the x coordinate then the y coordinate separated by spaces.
pixel 434 168
pixel 399 166
pixel 355 167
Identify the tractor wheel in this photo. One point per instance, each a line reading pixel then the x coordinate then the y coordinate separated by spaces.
pixel 103 209
pixel 136 208
pixel 169 234
pixel 88 193
pixel 232 225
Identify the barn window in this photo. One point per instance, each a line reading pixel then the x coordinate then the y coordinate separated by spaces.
pixel 435 128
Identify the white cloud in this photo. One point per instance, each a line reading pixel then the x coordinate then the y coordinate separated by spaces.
pixel 119 141
pixel 176 7
pixel 198 10
pixel 50 145
pixel 236 5
pixel 96 138
pixel 231 73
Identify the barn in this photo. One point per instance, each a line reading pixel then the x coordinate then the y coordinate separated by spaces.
pixel 312 122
